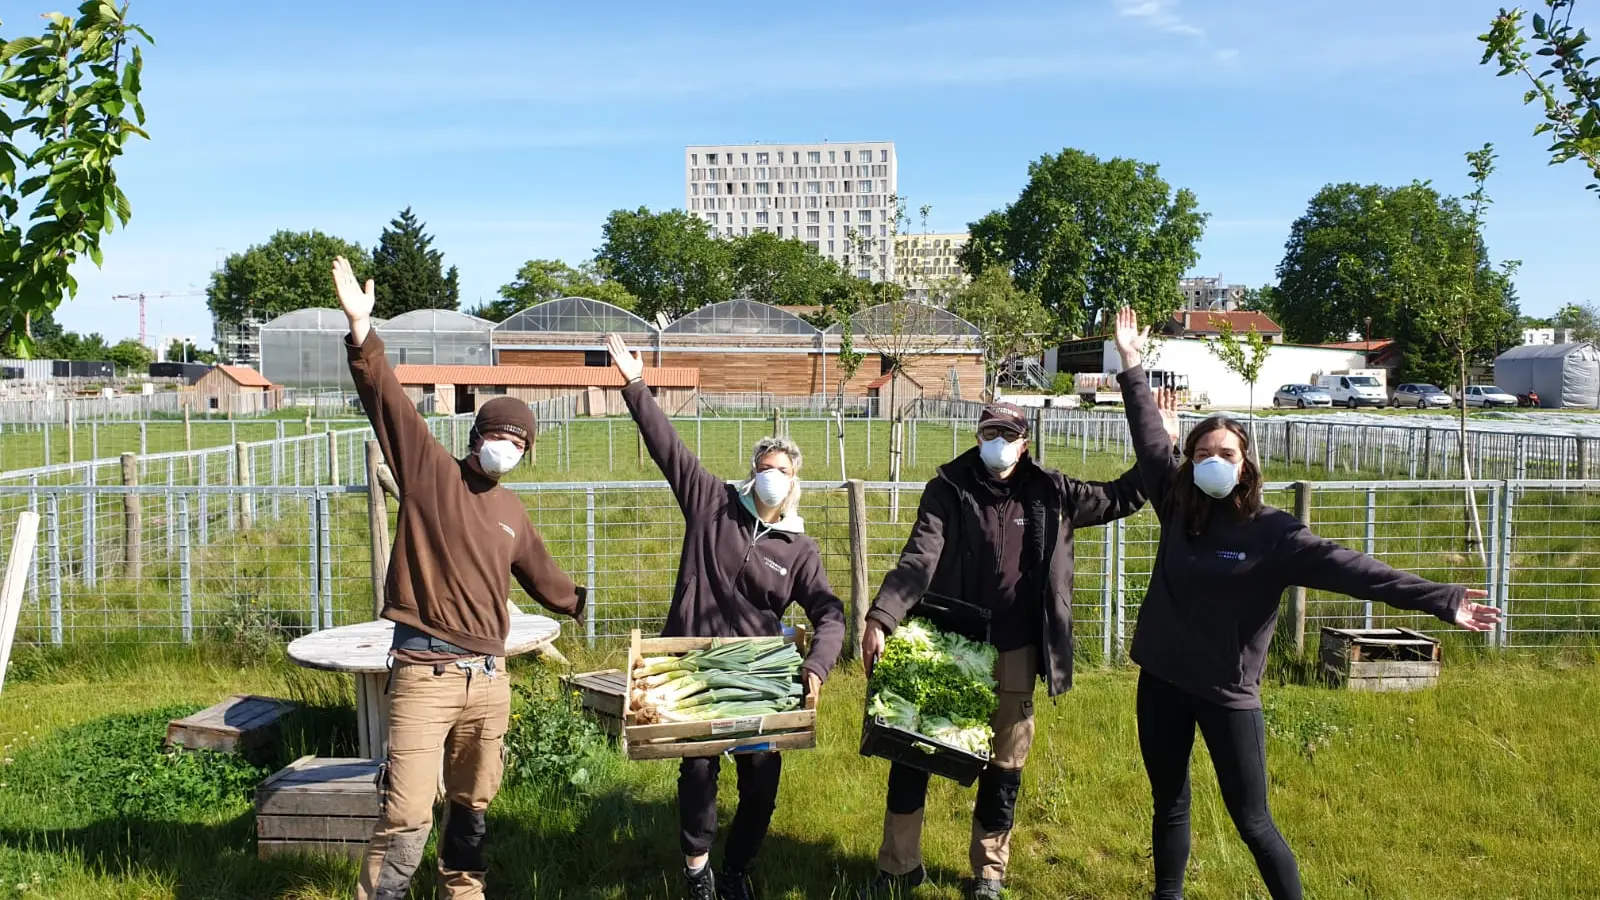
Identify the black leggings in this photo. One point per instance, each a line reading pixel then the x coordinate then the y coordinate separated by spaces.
pixel 1238 743
pixel 697 805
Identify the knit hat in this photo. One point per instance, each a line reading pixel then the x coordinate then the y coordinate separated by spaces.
pixel 506 414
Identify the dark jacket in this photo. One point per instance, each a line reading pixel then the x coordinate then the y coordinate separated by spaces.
pixel 736 574
pixel 1213 601
pixel 940 556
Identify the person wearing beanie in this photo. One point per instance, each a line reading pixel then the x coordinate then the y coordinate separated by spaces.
pixel 994 529
pixel 459 538
pixel 746 559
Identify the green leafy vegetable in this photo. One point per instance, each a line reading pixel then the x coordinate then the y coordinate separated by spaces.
pixel 945 679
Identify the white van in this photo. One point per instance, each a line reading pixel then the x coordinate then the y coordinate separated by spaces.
pixel 1353 390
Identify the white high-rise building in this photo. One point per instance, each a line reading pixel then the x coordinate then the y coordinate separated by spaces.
pixel 837 197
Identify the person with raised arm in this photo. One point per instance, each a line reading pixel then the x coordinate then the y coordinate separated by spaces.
pixel 459 537
pixel 745 560
pixel 1222 564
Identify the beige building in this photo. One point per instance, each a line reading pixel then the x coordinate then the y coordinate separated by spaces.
pixel 928 260
pixel 819 193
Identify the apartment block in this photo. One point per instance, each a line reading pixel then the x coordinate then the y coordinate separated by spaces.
pixel 1206 293
pixel 837 197
pixel 928 260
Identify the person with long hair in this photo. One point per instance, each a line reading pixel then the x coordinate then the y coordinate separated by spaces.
pixel 745 560
pixel 1222 564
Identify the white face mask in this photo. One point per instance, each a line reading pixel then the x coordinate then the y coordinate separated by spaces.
pixel 772 487
pixel 498 457
pixel 1000 454
pixel 1216 476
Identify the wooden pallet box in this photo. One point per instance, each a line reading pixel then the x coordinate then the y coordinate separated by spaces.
pixel 318 805
pixel 603 693
pixel 794 730
pixel 1380 659
pixel 238 724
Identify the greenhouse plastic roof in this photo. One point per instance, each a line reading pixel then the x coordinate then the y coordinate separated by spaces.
pixel 741 317
pixel 1548 351
pixel 576 314
pixel 437 320
pixel 908 317
pixel 315 319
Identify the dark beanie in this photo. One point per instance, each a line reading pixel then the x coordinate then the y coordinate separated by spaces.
pixel 506 414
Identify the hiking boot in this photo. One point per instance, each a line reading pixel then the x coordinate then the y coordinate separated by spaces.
pixel 734 886
pixel 989 889
pixel 700 885
pixel 884 885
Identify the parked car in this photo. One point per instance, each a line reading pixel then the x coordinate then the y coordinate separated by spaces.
pixel 1421 396
pixel 1487 395
pixel 1353 390
pixel 1300 395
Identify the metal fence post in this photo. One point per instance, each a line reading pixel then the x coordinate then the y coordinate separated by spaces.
pixel 1107 596
pixel 132 520
pixel 325 530
pixel 90 562
pixel 205 518
pixel 377 528
pixel 144 438
pixel 856 492
pixel 333 456
pixel 1507 512
pixel 185 573
pixel 1297 594
pixel 313 562
pixel 1121 581
pixel 53 526
pixel 588 616
pixel 1038 437
pixel 1372 539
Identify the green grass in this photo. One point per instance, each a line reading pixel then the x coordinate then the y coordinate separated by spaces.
pixel 1479 788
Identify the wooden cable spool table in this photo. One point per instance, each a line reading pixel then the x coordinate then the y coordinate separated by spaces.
pixel 363 650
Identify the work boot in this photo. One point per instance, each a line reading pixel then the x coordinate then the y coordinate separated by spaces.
pixel 989 889
pixel 734 886
pixel 884 885
pixel 700 885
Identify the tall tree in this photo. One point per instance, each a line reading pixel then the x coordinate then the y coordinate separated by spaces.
pixel 1013 323
pixel 288 272
pixel 1263 299
pixel 69 105
pixel 187 352
pixel 668 260
pixel 540 280
pixel 1089 236
pixel 130 356
pixel 770 269
pixel 1582 318
pixel 410 274
pixel 1568 87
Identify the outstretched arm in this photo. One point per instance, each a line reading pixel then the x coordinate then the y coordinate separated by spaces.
pixel 1323 565
pixel 539 574
pixel 691 483
pixel 402 432
pixel 1092 503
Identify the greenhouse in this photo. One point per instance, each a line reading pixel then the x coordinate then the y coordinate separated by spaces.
pixel 742 317
pixel 437 337
pixel 305 349
pixel 572 315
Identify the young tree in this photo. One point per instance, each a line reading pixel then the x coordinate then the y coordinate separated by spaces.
pixel 1569 86
pixel 288 272
pixel 1582 318
pixel 782 272
pixel 130 356
pixel 669 261
pixel 1013 324
pixel 69 105
pixel 1243 356
pixel 410 274
pixel 1089 236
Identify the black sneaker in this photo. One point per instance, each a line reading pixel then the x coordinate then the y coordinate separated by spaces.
pixel 989 889
pixel 734 886
pixel 700 885
pixel 886 885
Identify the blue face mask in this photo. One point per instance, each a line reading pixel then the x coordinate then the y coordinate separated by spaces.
pixel 1216 476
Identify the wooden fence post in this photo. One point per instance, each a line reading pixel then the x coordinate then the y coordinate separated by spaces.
pixel 856 491
pixel 308 421
pixel 241 478
pixel 188 434
pixel 333 458
pixel 72 434
pixel 16 579
pixel 1297 595
pixel 377 526
pixel 132 519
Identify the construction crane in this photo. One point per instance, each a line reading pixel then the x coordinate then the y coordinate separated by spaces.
pixel 142 297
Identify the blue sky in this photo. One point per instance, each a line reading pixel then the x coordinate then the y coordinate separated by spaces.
pixel 512 129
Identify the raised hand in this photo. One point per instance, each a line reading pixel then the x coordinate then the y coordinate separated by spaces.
pixel 1167 402
pixel 1477 616
pixel 625 361
pixel 356 301
pixel 1129 339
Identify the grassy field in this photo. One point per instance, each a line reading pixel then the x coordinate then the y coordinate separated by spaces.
pixel 1481 787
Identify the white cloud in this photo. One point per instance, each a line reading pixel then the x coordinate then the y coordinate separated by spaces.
pixel 1161 14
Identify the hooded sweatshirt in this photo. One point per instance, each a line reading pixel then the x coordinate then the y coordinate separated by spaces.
pixel 736 574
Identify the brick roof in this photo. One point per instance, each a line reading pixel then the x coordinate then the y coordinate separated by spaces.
pixel 1371 346
pixel 543 376
pixel 1209 322
pixel 246 376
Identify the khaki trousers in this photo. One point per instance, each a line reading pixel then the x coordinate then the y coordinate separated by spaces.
pixel 1016 671
pixel 452 715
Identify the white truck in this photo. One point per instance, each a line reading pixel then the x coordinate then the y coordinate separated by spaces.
pixel 1094 388
pixel 1355 388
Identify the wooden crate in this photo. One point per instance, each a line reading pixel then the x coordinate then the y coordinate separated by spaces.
pixel 1380 659
pixel 794 730
pixel 318 805
pixel 240 723
pixel 603 693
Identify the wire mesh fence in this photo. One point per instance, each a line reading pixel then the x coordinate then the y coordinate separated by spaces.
pixel 181 562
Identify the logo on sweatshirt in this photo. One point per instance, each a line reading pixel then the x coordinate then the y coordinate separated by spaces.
pixel 507 529
pixel 775 567
pixel 1019 521
pixel 1234 555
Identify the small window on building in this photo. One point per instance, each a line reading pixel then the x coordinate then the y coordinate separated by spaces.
pixel 883 156
pixel 847 156
pixel 885 363
pixel 711 159
pixel 596 358
pixel 694 159
pixel 213 403
pixel 814 156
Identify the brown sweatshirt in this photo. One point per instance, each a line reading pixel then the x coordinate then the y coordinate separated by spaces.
pixel 459 533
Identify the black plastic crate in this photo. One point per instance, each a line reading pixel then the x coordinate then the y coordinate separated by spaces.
pixel 920 752
pixel 954 616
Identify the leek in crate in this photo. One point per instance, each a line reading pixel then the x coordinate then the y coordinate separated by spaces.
pixel 937 684
pixel 729 680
